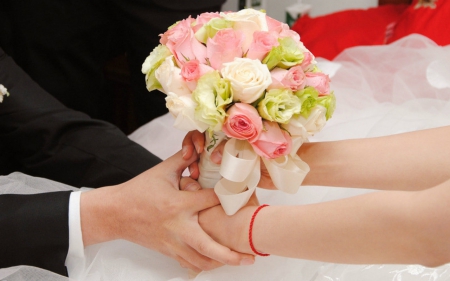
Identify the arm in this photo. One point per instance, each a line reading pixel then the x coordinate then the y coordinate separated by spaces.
pixel 41 137
pixel 149 210
pixel 407 161
pixel 34 230
pixel 380 227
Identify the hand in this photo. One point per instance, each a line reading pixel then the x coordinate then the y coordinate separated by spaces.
pixel 150 210
pixel 231 231
pixel 196 140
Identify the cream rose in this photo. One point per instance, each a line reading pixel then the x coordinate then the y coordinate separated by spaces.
pixel 183 109
pixel 249 78
pixel 169 76
pixel 248 21
pixel 315 121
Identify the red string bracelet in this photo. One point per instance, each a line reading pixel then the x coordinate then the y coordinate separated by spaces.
pixel 250 231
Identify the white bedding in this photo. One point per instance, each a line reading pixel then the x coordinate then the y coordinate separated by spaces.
pixel 380 90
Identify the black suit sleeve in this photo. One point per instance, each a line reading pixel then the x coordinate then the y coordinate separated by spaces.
pixel 34 230
pixel 41 137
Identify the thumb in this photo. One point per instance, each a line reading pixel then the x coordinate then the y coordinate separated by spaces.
pixel 178 164
pixel 202 199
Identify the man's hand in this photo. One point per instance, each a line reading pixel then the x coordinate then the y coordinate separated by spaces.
pixel 195 141
pixel 150 210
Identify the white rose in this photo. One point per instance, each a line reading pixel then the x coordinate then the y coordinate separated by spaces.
pixel 315 122
pixel 169 76
pixel 248 21
pixel 183 109
pixel 249 78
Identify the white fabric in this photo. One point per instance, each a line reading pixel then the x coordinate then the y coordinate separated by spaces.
pixel 380 91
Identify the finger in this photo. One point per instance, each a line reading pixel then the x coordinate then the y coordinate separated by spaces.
pixel 198 260
pixel 206 246
pixel 194 171
pixel 216 155
pixel 199 141
pixel 189 184
pixel 185 264
pixel 176 163
pixel 201 200
pixel 187 146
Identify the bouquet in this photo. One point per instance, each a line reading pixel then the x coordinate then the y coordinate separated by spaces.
pixel 3 92
pixel 248 78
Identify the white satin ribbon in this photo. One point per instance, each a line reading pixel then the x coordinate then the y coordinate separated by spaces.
pixel 240 169
pixel 241 173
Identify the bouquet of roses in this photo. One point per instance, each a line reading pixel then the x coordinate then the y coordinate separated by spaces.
pixel 246 77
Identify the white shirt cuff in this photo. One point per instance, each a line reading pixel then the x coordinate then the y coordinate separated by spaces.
pixel 76 246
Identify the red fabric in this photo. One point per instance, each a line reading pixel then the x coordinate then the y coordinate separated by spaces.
pixel 326 36
pixel 431 22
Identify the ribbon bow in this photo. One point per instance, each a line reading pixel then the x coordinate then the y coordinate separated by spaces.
pixel 236 179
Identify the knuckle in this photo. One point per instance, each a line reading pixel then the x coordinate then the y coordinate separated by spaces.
pixel 203 248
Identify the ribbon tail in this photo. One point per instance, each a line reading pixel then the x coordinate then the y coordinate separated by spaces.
pixel 241 173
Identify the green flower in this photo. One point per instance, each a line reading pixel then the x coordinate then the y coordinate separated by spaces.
pixel 212 95
pixel 329 102
pixel 210 29
pixel 308 97
pixel 279 105
pixel 285 55
pixel 273 58
pixel 151 63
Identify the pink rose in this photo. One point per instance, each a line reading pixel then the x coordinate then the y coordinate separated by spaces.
pixel 192 70
pixel 273 142
pixel 320 81
pixel 243 122
pixel 263 42
pixel 224 47
pixel 307 63
pixel 204 18
pixel 274 25
pixel 182 43
pixel 293 79
pixel 281 29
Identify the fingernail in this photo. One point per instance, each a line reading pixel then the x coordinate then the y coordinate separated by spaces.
pixel 197 148
pixel 247 262
pixel 192 187
pixel 216 157
pixel 184 151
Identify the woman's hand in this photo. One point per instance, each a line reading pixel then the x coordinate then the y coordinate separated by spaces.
pixel 195 141
pixel 230 231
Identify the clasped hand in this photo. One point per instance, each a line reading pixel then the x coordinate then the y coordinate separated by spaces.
pixel 150 210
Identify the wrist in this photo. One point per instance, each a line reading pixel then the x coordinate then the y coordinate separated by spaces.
pixel 243 245
pixel 250 232
pixel 99 215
